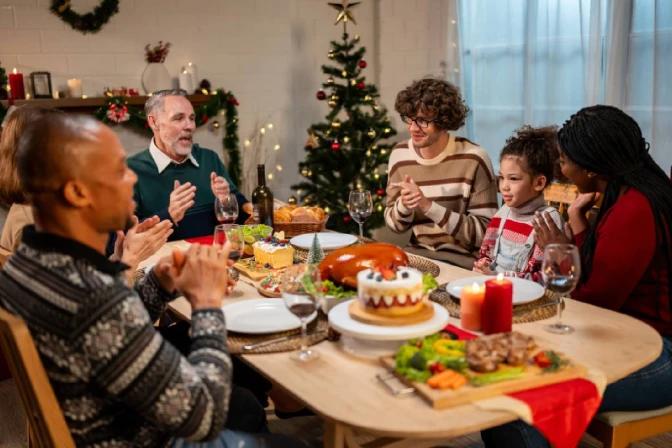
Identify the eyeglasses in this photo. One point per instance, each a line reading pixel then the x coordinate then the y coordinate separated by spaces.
pixel 420 122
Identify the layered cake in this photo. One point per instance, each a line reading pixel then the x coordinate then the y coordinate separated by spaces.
pixel 274 253
pixel 390 292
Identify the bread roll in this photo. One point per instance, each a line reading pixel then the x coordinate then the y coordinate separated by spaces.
pixel 282 215
pixel 302 214
pixel 319 213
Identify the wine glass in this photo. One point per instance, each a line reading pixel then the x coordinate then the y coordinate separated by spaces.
pixel 226 208
pixel 361 207
pixel 561 270
pixel 301 290
pixel 234 234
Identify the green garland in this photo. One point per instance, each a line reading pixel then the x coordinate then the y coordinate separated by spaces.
pixel 117 107
pixel 91 22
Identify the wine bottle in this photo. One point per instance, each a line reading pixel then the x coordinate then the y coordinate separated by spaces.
pixel 262 200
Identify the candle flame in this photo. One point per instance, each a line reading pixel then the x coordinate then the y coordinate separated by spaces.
pixel 500 277
pixel 475 287
pixel 15 71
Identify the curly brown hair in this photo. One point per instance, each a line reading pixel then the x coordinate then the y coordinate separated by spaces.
pixel 434 97
pixel 536 150
pixel 10 187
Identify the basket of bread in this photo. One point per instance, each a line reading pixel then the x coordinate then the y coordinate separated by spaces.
pixel 296 220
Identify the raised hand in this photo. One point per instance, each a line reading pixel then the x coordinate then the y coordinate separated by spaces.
pixel 181 199
pixel 547 232
pixel 220 187
pixel 582 204
pixel 142 240
pixel 411 195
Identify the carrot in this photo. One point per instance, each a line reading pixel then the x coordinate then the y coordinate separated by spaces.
pixel 448 383
pixel 461 381
pixel 178 260
pixel 437 379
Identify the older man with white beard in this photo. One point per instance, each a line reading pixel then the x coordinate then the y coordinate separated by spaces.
pixel 177 179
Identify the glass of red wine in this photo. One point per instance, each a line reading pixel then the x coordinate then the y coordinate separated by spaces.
pixel 301 291
pixel 561 271
pixel 232 233
pixel 226 209
pixel 360 207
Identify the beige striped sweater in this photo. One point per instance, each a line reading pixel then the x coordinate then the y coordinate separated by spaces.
pixel 461 185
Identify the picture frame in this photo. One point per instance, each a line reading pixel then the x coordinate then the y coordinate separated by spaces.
pixel 41 83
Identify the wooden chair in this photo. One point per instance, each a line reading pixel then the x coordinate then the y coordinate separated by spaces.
pixel 46 424
pixel 563 195
pixel 620 429
pixel 4 256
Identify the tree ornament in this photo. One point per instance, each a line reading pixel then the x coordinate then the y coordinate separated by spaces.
pixel 374 147
pixel 387 130
pixel 353 82
pixel 376 107
pixel 336 146
pixel 371 133
pixel 291 200
pixel 356 37
pixel 346 139
pixel 367 98
pixel 330 80
pixel 362 64
pixel 336 124
pixel 361 86
pixel 344 74
pixel 380 192
pixel 344 13
pixel 118 114
pixel 332 103
pixel 331 54
pixel 321 95
pixel 347 219
pixel 315 254
pixel 335 97
pixel 215 124
pixel 313 140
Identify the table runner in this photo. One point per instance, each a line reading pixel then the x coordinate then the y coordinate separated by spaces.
pixel 561 412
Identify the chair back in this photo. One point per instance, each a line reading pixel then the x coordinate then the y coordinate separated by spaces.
pixel 46 423
pixel 561 196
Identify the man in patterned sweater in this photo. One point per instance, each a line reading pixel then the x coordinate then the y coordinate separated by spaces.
pixel 440 186
pixel 119 384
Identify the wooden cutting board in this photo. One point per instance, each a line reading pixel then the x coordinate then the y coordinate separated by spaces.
pixel 251 269
pixel 442 399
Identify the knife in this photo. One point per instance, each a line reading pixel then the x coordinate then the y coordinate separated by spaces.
pixel 543 305
pixel 282 339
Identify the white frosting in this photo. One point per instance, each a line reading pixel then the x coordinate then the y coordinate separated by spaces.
pixel 270 248
pixel 372 292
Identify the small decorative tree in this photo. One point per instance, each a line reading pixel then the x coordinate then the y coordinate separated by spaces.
pixel 315 254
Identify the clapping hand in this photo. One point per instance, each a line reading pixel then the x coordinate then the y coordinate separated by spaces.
pixel 142 240
pixel 220 187
pixel 547 232
pixel 412 196
pixel 181 199
pixel 483 267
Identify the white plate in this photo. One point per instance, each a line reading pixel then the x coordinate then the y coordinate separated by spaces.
pixel 261 316
pixel 340 320
pixel 328 240
pixel 524 291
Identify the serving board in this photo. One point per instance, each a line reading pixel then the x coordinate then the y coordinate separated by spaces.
pixel 269 294
pixel 442 399
pixel 253 270
pixel 357 313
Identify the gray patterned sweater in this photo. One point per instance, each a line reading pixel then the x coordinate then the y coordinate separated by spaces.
pixel 118 382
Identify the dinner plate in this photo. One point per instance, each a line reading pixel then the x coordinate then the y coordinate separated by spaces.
pixel 328 240
pixel 261 316
pixel 524 291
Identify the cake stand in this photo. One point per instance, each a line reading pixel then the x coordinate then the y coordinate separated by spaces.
pixel 374 341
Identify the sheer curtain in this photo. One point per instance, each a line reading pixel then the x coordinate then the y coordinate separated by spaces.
pixel 538 61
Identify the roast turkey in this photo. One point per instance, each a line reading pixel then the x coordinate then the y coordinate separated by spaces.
pixel 343 265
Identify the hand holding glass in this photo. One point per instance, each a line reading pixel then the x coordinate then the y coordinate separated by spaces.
pixel 226 209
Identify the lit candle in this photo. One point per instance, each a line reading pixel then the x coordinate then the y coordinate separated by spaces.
pixel 497 311
pixel 75 88
pixel 16 85
pixel 471 303
pixel 186 82
pixel 191 69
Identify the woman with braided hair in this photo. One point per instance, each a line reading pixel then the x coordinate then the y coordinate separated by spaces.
pixel 626 254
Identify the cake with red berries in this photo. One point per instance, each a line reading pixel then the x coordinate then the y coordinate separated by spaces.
pixel 391 292
pixel 274 253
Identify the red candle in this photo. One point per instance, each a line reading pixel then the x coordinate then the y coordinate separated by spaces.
pixel 497 314
pixel 16 86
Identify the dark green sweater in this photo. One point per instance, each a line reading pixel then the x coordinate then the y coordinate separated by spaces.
pixel 152 191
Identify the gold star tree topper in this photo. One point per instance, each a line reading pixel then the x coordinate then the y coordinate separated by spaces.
pixel 344 13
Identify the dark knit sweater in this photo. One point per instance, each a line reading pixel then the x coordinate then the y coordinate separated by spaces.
pixel 152 191
pixel 117 381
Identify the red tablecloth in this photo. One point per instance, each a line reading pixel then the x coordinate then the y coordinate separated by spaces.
pixel 562 411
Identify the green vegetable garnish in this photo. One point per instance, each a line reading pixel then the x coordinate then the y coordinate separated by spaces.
pixel 259 231
pixel 556 362
pixel 429 283
pixel 496 377
pixel 331 290
pixel 418 361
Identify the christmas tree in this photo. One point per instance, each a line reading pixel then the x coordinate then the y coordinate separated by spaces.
pixel 3 83
pixel 315 254
pixel 348 151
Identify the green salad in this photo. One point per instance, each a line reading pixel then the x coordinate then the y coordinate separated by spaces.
pixel 429 283
pixel 259 231
pixel 331 290
pixel 418 358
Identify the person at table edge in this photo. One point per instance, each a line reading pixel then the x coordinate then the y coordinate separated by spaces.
pixel 177 179
pixel 441 187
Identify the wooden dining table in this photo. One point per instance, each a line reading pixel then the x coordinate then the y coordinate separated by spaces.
pixel 343 390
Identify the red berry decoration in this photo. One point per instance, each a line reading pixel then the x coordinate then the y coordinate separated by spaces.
pixel 380 192
pixel 361 86
pixel 321 95
pixel 362 64
pixel 336 146
pixel 347 219
pixel 204 118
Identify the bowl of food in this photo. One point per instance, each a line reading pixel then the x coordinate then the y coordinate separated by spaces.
pixel 253 233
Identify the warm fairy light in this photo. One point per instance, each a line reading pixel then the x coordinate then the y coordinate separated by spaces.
pixel 263 130
pixel 380 208
pixel 453 22
pixel 326 209
pixel 276 147
pixel 84 97
pixel 270 176
pixel 270 126
pixel 278 167
pixel 213 92
pixel 359 186
pixel 500 277
pixel 247 143
pixel 298 191
pixel 346 139
pixel 184 72
pixel 204 91
pixel 368 153
pixel 386 171
pixel 376 176
pixel 383 152
pixel 149 94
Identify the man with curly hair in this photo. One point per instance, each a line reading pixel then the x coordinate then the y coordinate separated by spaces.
pixel 440 186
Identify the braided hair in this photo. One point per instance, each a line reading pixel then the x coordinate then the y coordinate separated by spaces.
pixel 607 141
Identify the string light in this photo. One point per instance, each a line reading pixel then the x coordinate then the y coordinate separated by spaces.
pixel 379 208
pixel 383 152
pixel 310 173
pixel 84 97
pixel 346 139
pixel 263 131
pixel 149 94
pixel 247 143
pixel 368 153
pixel 276 147
pixel 278 167
pixel 298 191
pixel 326 209
pixel 204 91
pixel 359 186
pixel 270 126
pixel 270 176
pixel 386 171
pixel 453 22
pixel 376 176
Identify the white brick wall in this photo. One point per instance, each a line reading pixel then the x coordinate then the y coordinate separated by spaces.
pixel 268 52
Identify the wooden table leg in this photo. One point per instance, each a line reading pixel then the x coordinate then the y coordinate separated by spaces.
pixel 334 434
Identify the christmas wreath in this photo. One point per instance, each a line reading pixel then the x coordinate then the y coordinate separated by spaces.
pixel 90 22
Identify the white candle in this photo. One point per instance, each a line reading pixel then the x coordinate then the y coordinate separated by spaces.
pixel 75 87
pixel 191 69
pixel 186 82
